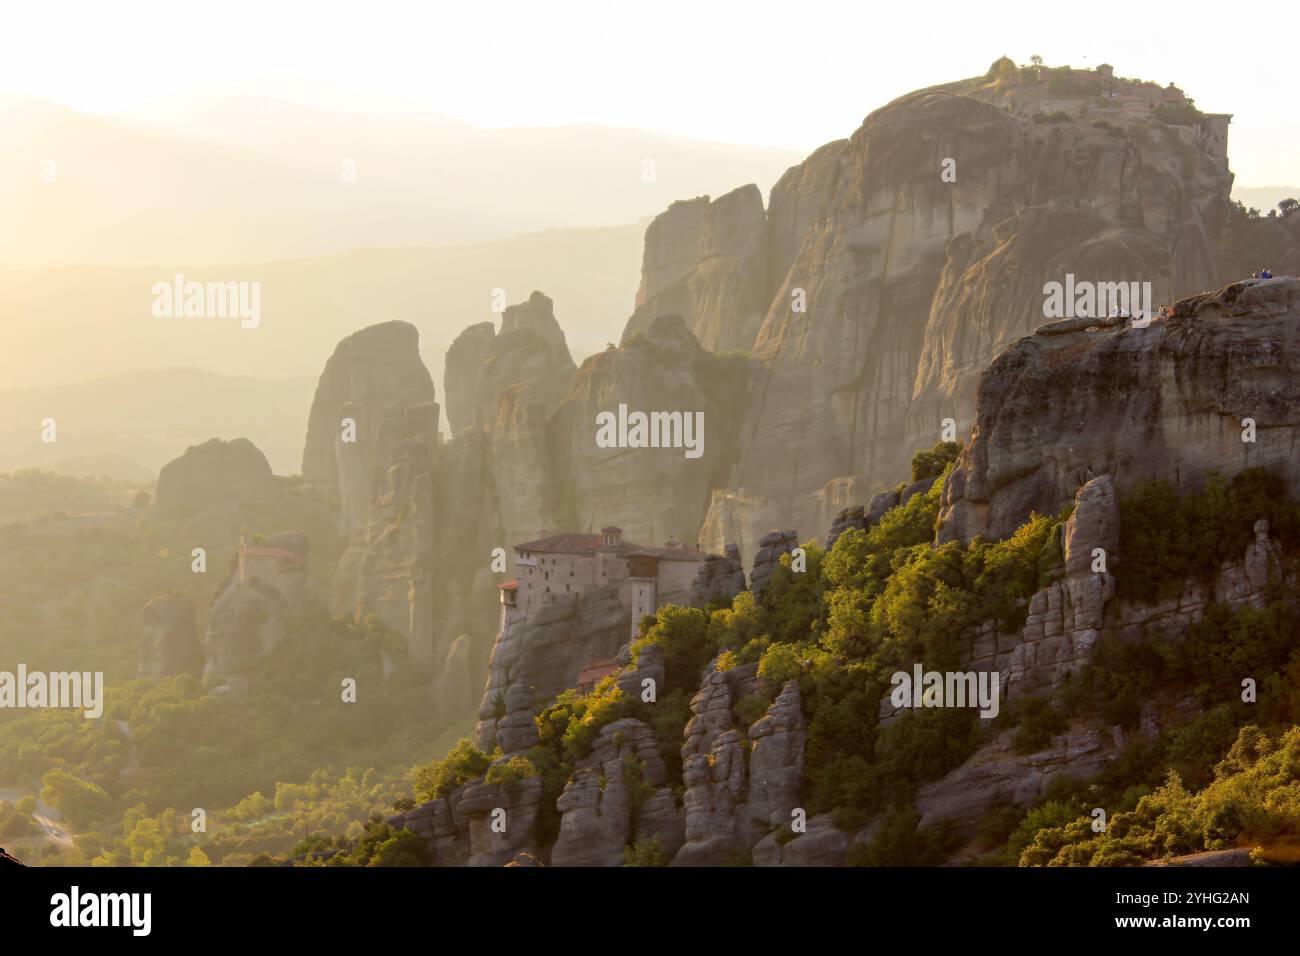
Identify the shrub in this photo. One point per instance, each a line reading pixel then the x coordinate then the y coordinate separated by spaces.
pixel 462 764
pixel 645 852
pixel 511 773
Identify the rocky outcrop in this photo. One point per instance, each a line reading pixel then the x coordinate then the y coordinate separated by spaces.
pixel 463 373
pixel 719 578
pixel 997 776
pixel 374 378
pixel 442 827
pixel 708 263
pixel 255 605
pixel 850 518
pixel 501 818
pixel 776 756
pixel 1066 617
pixel 601 804
pixel 388 568
pixel 893 286
pixel 548 651
pixel 770 548
pixel 648 666
pixel 822 844
pixel 516 731
pixel 215 473
pixel 171 640
pixel 714 772
pixel 1187 383
pixel 529 357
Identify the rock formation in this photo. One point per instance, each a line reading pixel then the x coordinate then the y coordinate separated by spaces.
pixel 599 812
pixel 255 604
pixel 374 378
pixel 214 474
pixel 654 494
pixel 720 578
pixel 1169 401
pixel 708 263
pixel 171 641
pixel 462 374
pixel 770 548
pixel 892 287
pixel 548 651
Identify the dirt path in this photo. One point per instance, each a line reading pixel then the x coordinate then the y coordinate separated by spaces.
pixel 46 817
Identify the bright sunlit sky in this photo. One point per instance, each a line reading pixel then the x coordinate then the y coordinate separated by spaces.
pixel 795 73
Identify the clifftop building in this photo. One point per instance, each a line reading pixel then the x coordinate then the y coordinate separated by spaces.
pixel 560 567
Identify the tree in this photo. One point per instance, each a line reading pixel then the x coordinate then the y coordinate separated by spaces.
pixel 1036 60
pixel 81 802
pixel 198 858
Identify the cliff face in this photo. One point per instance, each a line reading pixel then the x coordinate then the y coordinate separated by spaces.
pixel 376 379
pixel 709 263
pixel 170 644
pixel 653 494
pixel 1168 400
pixel 529 359
pixel 890 279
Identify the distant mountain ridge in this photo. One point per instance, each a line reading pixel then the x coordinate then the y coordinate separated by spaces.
pixel 248 178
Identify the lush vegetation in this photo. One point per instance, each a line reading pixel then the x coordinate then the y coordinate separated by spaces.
pixel 1258 240
pixel 1252 801
pixel 277 761
pixel 1219 779
pixel 1168 539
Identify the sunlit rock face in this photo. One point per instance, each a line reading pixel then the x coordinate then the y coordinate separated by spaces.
pixel 902 260
pixel 1169 401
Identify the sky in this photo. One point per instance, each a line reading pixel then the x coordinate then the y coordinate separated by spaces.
pixel 794 74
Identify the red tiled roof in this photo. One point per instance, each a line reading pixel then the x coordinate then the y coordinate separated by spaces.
pixel 570 543
pixel 509 586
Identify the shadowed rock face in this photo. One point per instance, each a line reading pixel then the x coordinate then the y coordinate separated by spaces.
pixel 171 640
pixel 1166 401
pixel 462 371
pixel 376 378
pixel 652 493
pixel 707 262
pixel 255 605
pixel 213 473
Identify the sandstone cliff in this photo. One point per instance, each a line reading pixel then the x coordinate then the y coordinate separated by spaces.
pixel 1168 400
pixel 376 379
pixel 889 286
pixel 707 262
